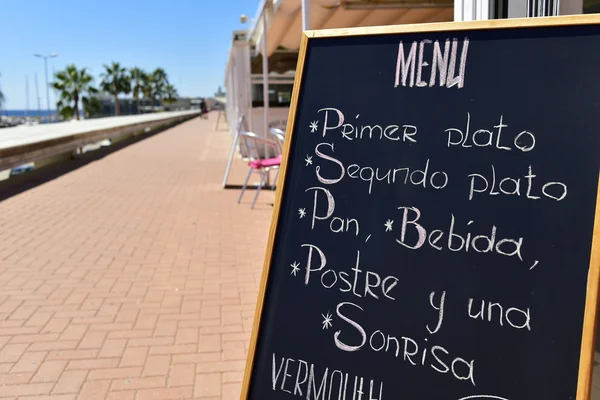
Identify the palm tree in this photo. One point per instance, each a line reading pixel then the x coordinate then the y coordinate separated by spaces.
pixel 170 94
pixel 159 81
pixel 136 76
pixel 148 88
pixel 73 85
pixel 115 81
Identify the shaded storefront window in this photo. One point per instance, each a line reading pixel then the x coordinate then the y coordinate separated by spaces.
pixel 280 95
pixel 591 6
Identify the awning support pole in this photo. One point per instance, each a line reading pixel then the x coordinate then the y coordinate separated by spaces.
pixel 265 70
pixel 305 15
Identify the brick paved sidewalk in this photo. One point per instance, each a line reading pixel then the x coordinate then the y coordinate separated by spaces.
pixel 133 277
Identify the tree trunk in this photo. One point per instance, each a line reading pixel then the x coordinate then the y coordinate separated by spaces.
pixel 77 108
pixel 117 104
pixel 139 110
pixel 152 103
pixel 76 100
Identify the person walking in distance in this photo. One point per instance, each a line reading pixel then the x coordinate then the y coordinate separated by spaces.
pixel 203 110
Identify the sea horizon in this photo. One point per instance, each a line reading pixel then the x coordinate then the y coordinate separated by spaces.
pixel 25 113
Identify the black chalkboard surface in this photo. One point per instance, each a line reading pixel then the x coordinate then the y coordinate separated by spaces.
pixel 433 237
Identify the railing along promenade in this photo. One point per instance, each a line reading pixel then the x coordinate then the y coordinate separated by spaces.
pixel 26 143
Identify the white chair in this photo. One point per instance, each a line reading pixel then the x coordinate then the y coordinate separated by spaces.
pixel 279 138
pixel 258 164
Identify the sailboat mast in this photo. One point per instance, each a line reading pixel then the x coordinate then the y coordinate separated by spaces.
pixel 26 95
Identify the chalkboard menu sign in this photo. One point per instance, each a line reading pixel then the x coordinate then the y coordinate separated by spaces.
pixel 433 236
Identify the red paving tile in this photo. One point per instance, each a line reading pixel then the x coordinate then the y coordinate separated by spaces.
pixel 133 277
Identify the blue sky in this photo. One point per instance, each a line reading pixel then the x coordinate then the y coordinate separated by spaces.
pixel 190 39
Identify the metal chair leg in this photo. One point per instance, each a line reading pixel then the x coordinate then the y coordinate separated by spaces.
pixel 275 180
pixel 262 179
pixel 245 184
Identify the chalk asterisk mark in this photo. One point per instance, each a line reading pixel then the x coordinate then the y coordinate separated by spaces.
pixel 295 268
pixel 308 160
pixel 302 212
pixel 388 225
pixel 314 126
pixel 326 320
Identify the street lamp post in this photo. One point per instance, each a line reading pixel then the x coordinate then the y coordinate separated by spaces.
pixel 47 84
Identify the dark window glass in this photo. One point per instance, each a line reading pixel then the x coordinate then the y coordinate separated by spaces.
pixel 280 95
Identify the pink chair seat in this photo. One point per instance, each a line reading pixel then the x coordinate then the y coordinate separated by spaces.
pixel 266 163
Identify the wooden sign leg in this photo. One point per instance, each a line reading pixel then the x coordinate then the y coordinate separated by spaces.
pixel 218 119
pixel 588 340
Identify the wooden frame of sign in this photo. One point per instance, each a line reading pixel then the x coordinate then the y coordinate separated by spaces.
pixel 591 303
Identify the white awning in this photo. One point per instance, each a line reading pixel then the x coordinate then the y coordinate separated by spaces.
pixel 284 17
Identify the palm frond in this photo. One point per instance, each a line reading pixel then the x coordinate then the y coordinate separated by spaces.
pixel 66 113
pixel 115 79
